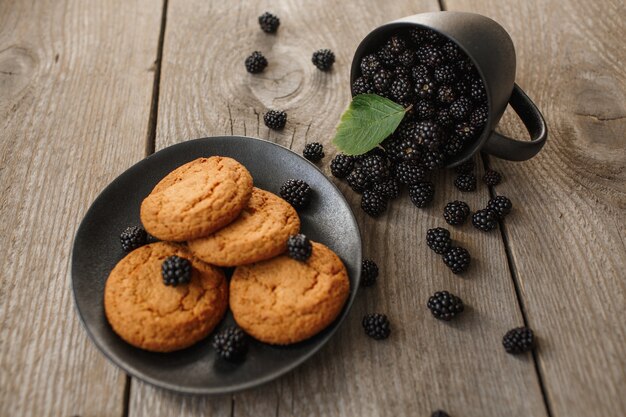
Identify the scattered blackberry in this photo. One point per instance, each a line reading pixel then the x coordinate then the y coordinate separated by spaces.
pixel 429 55
pixel 444 74
pixel 256 62
pixel 388 188
pixel 407 58
pixel 323 59
pixel 133 237
pixel 299 247
pixel 478 118
pixel 453 146
pixel 466 167
pixel 275 119
pixel 445 94
pixel 422 193
pixel 362 86
pixel 477 91
pixel 296 192
pixel 396 45
pixel 425 87
pixel 518 340
pixel 231 344
pixel 421 36
pixel 373 203
pixel 443 118
pixel 456 212
pixel 341 165
pixel 376 326
pixel 433 160
pixel 438 239
pixel 445 306
pixel 439 413
pixel 460 108
pixel 424 109
pixel 485 220
pixel 369 273
pixel 457 259
pixel 451 51
pixel 492 177
pixel 409 174
pixel 313 151
pixel 465 182
pixel 501 205
pixel 176 270
pixel 370 65
pixel 375 167
pixel 420 71
pixel 358 180
pixel 400 150
pixel 428 135
pixel 400 88
pixel 382 80
pixel 268 22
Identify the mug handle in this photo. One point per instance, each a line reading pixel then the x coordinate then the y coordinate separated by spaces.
pixel 517 150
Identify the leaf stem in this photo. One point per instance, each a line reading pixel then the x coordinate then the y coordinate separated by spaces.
pixel 408 108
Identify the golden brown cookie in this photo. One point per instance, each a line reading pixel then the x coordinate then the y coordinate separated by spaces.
pixel 197 199
pixel 151 315
pixel 282 301
pixel 260 232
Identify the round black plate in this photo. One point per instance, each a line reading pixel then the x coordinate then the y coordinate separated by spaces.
pixel 197 369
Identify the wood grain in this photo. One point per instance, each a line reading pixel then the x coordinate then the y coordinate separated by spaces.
pixel 426 364
pixel 75 88
pixel 568 232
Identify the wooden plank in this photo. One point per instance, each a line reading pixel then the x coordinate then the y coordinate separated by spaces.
pixel 568 232
pixel 75 88
pixel 426 364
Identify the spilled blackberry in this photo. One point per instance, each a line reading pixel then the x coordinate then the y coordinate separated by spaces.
pixel 275 119
pixel 388 188
pixel 428 135
pixel 425 87
pixel 478 118
pixel 362 86
pixel 358 180
pixel 464 131
pixel 445 95
pixel 296 192
pixel 422 193
pixel 268 22
pixel 444 74
pixel 323 59
pixel 133 237
pixel 375 167
pixel 456 212
pixel 424 109
pixel 460 108
pixel 376 326
pixel 466 167
pixel 445 306
pixel 492 177
pixel 518 340
pixel 433 160
pixel 403 150
pixel 369 273
pixel 373 203
pixel 381 80
pixel 176 270
pixel 400 88
pixel 501 205
pixel 256 62
pixel 457 259
pixel 409 174
pixel 370 65
pixel 438 239
pixel 406 58
pixel 465 182
pixel 299 247
pixel 313 151
pixel 230 344
pixel 341 165
pixel 485 220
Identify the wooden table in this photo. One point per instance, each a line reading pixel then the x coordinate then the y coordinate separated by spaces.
pixel 88 88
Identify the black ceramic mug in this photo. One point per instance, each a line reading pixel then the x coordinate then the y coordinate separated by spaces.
pixel 491 50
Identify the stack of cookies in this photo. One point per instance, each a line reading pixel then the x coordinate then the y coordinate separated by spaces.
pixel 168 295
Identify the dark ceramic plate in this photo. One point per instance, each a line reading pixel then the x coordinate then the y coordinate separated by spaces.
pixel 197 369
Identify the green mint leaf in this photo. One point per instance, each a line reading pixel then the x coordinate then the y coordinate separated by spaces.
pixel 368 120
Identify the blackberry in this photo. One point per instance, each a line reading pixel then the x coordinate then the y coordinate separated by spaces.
pixel 466 167
pixel 299 247
pixel 464 131
pixel 400 71
pixel 381 80
pixel 439 413
pixel 256 62
pixel 358 180
pixel 443 118
pixel 409 174
pixel 445 306
pixel 445 94
pixel 373 203
pixel 323 59
pixel 403 150
pixel 453 146
pixel 433 160
pixel 376 151
pixel 420 71
pixel 421 36
pixel 438 239
pixel 407 58
pixel 444 74
pixel 375 167
pixel 376 326
pixel 518 340
pixel 133 237
pixel 424 87
pixel 296 192
pixel 485 220
pixel 477 91
pixel 230 344
pixel 492 177
pixel 429 55
pixel 457 259
pixel 268 22
pixel 370 65
pixel 396 45
pixel 479 116
pixel 362 86
pixel 369 273
pixel 465 66
pixel 386 57
pixel 424 109
pixel 176 270
pixel 388 188
pixel 501 205
pixel 341 165
pixel 451 51
pixel 428 135
pixel 456 212
pixel 400 88
pixel 465 182
pixel 460 108
pixel 422 193
pixel 313 151
pixel 275 119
